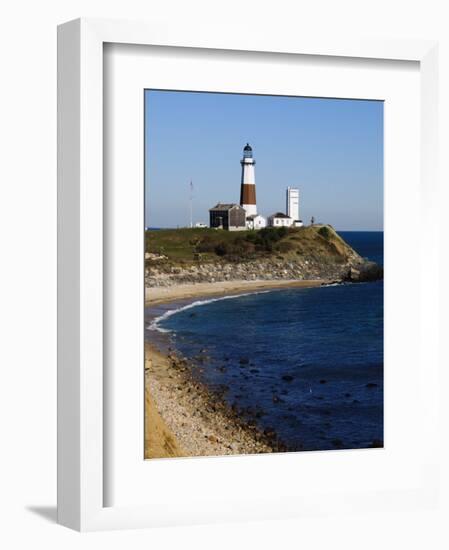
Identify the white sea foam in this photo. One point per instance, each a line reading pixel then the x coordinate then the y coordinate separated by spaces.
pixel 155 324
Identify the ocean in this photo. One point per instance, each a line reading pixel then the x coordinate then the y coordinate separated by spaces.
pixel 306 363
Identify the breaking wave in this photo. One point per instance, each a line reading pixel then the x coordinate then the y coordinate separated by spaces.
pixel 155 324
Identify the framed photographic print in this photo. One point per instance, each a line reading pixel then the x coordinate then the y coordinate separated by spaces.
pixel 259 334
pixel 235 330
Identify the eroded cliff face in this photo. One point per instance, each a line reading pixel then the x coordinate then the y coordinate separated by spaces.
pixel 354 270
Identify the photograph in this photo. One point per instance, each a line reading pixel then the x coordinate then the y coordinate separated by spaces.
pixel 264 295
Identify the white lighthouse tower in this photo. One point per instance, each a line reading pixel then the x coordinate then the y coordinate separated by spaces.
pixel 248 184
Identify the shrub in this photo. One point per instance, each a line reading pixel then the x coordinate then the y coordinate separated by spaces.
pixel 206 245
pixel 325 232
pixel 284 246
pixel 267 237
pixel 282 232
pixel 221 249
pixel 239 249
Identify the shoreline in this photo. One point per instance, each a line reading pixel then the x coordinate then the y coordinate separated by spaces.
pixel 183 418
pixel 165 294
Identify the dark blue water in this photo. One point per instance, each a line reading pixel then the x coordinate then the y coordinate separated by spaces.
pixel 369 244
pixel 307 363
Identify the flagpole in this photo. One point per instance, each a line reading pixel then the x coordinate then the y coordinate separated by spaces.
pixel 191 198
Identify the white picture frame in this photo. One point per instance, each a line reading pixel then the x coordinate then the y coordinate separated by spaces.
pixel 82 491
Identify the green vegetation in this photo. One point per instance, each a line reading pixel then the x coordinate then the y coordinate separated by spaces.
pixel 325 232
pixel 185 246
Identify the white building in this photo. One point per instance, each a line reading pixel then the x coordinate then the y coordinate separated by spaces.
pixel 248 182
pixel 280 220
pixel 256 222
pixel 292 203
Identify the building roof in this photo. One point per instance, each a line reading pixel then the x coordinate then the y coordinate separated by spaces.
pixel 224 206
pixel 253 216
pixel 279 215
pixel 247 147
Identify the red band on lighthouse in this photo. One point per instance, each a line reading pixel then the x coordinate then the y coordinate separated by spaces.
pixel 248 194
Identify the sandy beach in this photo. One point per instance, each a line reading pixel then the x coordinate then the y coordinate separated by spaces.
pixel 182 417
pixel 159 295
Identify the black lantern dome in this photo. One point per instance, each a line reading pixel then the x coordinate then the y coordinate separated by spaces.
pixel 247 151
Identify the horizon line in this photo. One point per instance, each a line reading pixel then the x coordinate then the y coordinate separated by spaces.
pixel 343 230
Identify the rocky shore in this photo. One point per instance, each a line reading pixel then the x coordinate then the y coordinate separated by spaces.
pixel 184 418
pixel 354 269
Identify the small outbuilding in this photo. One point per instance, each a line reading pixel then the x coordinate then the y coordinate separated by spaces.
pixel 256 221
pixel 231 217
pixel 280 220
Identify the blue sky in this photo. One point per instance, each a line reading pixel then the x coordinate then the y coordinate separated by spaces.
pixel 331 149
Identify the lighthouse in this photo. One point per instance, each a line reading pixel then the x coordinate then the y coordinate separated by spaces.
pixel 248 183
